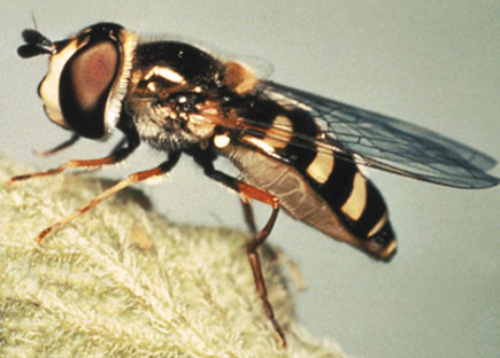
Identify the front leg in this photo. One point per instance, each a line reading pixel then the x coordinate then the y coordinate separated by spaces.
pixel 118 154
pixel 64 145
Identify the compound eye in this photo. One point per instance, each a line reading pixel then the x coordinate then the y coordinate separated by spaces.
pixel 85 86
pixel 91 73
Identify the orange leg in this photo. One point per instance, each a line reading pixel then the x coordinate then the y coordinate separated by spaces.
pixel 85 164
pixel 247 192
pixel 131 179
pixel 250 192
pixel 119 153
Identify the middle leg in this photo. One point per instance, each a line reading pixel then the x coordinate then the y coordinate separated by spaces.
pixel 131 179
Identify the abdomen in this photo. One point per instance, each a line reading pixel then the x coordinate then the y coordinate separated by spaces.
pixel 314 186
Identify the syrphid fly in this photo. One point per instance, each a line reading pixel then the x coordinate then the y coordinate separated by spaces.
pixel 295 150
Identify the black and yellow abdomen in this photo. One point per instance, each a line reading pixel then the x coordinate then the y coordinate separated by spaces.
pixel 314 185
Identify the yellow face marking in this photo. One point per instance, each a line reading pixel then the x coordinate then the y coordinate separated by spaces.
pixel 321 167
pixel 355 205
pixel 280 133
pixel 378 225
pixel 49 88
pixel 166 73
pixel 221 141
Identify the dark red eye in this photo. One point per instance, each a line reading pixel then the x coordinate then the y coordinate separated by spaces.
pixel 92 72
pixel 85 85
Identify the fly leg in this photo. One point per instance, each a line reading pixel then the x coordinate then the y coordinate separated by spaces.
pixel 66 144
pixel 248 215
pixel 131 179
pixel 118 154
pixel 250 192
pixel 247 192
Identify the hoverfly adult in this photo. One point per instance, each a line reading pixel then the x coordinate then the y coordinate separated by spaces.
pixel 295 150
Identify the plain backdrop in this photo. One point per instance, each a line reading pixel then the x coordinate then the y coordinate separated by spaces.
pixel 433 63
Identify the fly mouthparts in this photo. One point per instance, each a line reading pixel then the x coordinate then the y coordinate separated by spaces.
pixel 36 44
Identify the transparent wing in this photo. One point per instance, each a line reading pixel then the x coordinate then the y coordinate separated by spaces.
pixel 385 143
